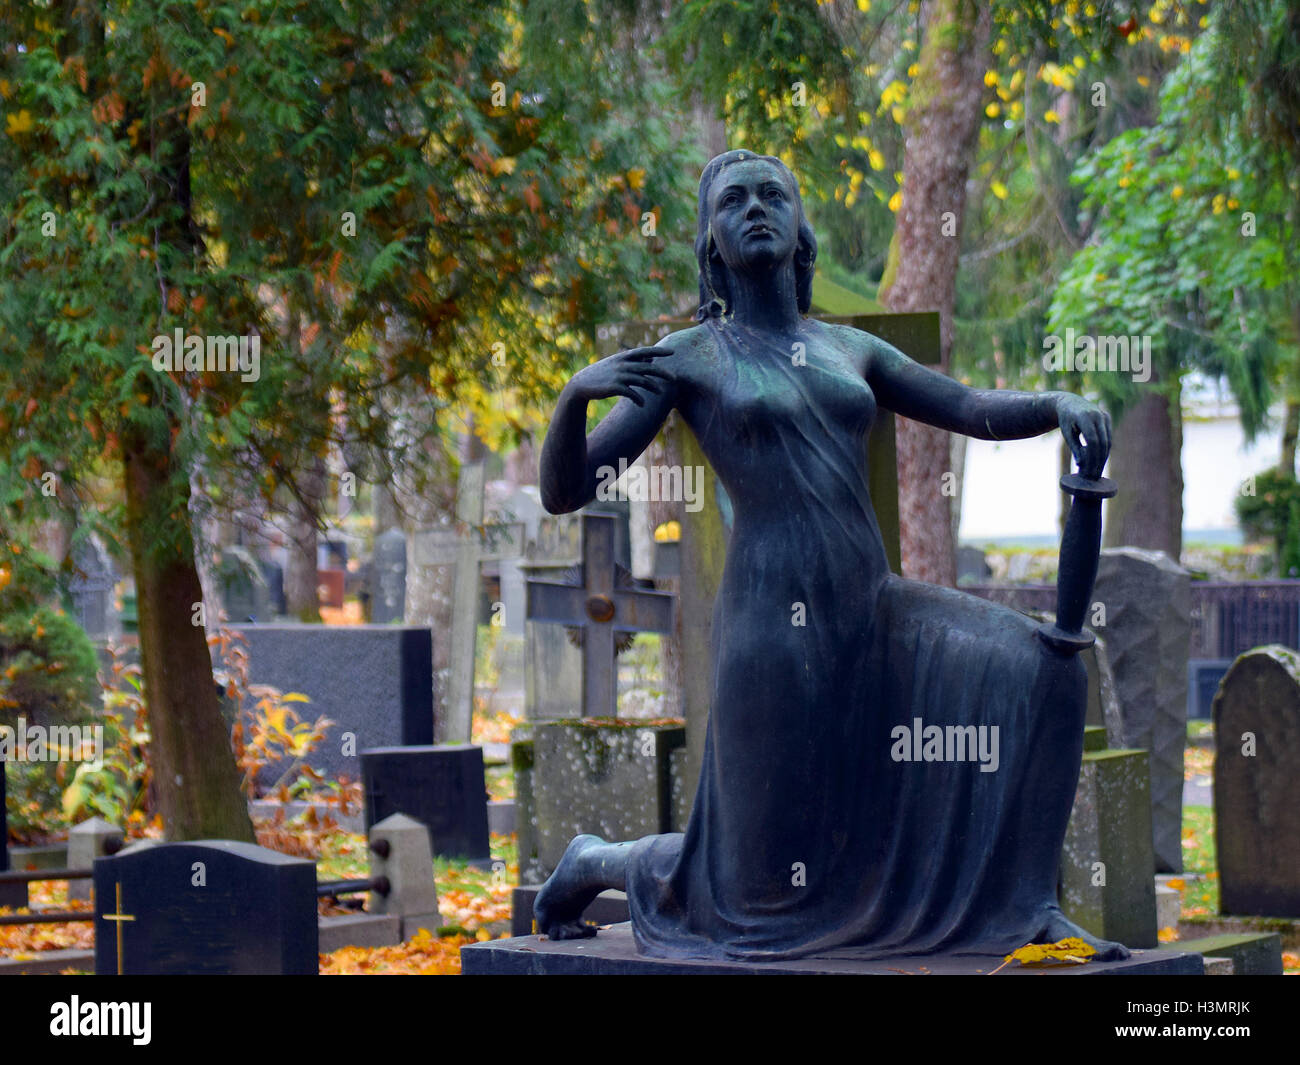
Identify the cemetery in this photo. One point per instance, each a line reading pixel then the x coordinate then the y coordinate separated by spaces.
pixel 587 579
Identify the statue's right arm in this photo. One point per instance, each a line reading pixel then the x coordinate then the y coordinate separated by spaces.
pixel 571 460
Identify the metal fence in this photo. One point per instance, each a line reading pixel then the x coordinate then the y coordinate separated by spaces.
pixel 1228 617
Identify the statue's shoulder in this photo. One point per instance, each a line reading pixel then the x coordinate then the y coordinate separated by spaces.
pixel 693 341
pixel 858 343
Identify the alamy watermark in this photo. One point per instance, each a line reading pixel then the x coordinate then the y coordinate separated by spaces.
pixel 920 742
pixel 53 743
pixel 214 354
pixel 1100 354
pixel 652 484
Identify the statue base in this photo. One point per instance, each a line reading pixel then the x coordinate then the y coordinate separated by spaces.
pixel 613 953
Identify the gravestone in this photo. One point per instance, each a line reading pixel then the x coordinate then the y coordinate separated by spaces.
pixel 375 682
pixel 603 604
pixel 243 587
pixel 330 587
pixel 91 589
pixel 273 574
pixel 388 577
pixel 522 507
pixel 13 895
pixel 1106 884
pixel 612 780
pixel 466 546
pixel 1256 785
pixel 211 907
pixel 1147 602
pixel 442 787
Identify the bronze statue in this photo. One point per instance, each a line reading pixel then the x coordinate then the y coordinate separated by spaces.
pixel 895 774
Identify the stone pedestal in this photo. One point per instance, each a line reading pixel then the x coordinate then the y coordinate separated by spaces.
pixel 1106 882
pixel 613 953
pixel 612 780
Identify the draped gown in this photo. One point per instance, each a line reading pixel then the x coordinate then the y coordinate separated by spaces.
pixel 807 833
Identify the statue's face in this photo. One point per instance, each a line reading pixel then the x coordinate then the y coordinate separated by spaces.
pixel 755 217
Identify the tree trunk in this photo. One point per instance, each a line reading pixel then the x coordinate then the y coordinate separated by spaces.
pixel 1290 432
pixel 942 121
pixel 195 775
pixel 1146 463
pixel 301 581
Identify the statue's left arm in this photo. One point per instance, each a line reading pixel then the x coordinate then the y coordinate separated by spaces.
pixel 924 395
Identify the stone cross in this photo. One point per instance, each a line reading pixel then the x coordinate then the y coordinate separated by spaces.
pixel 465 546
pixel 605 603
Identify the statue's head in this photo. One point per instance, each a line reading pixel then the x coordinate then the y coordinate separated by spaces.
pixel 751 218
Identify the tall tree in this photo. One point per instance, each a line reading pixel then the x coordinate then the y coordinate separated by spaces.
pixel 436 214
pixel 943 117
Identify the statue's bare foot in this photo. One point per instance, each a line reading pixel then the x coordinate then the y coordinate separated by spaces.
pixel 1060 927
pixel 567 893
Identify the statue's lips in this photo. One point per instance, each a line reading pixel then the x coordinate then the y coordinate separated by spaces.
pixel 759 231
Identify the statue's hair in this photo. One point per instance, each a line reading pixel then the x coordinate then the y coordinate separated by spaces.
pixel 715 278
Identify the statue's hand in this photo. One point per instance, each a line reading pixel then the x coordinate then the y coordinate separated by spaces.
pixel 627 373
pixel 1081 419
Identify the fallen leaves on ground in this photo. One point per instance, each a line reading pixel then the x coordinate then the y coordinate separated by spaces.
pixel 424 954
pixel 23 941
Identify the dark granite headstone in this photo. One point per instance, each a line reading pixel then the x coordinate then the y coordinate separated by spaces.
pixel 1256 787
pixel 211 907
pixel 273 574
pixel 10 894
pixel 388 577
pixel 375 682
pixel 442 787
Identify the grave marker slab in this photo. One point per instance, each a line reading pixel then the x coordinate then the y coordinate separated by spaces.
pixel 373 681
pixel 466 546
pixel 605 603
pixel 388 577
pixel 1256 786
pixel 612 780
pixel 210 907
pixel 1148 628
pixel 442 787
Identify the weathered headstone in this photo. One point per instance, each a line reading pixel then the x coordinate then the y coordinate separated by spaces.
pixel 612 780
pixel 442 787
pixel 208 907
pixel 1107 885
pixel 388 577
pixel 244 591
pixel 375 682
pixel 1147 603
pixel 91 589
pixel 466 546
pixel 605 604
pixel 1256 786
pixel 330 587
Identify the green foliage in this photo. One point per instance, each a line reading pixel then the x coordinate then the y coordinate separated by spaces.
pixel 47 663
pixel 1272 514
pixel 1172 256
pixel 117 789
pixel 490 205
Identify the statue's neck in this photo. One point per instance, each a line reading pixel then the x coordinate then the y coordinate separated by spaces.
pixel 766 301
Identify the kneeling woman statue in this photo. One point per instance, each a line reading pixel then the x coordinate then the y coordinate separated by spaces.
pixel 834 808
